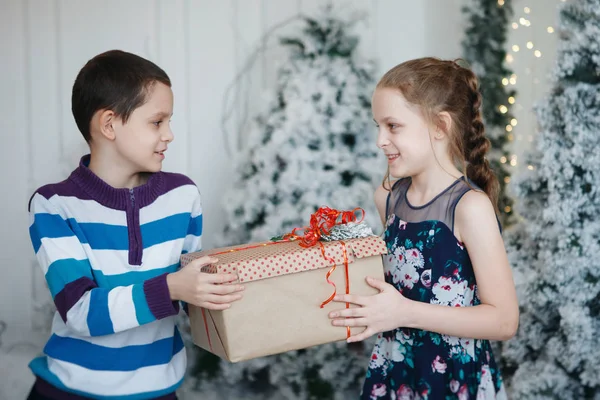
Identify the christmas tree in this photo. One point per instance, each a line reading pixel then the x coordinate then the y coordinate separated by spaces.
pixel 314 146
pixel 484 50
pixel 555 250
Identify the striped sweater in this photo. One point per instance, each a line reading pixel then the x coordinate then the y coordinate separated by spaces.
pixel 105 253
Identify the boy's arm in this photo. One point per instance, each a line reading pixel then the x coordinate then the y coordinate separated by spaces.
pixel 83 306
pixel 193 239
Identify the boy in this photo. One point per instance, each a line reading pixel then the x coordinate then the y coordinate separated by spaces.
pixel 109 238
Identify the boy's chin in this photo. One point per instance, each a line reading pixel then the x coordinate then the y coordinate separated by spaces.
pixel 150 169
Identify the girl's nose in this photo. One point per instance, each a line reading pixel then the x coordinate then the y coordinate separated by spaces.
pixel 382 140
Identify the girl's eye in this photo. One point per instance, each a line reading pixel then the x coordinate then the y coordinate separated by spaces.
pixel 392 126
pixel 157 123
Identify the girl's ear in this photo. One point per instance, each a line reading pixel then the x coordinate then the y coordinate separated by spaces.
pixel 444 125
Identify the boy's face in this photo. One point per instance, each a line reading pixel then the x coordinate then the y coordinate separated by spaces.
pixel 144 138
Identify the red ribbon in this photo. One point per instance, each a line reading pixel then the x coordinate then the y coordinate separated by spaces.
pixel 206 327
pixel 333 284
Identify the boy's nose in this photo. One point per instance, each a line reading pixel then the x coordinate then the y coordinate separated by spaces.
pixel 168 136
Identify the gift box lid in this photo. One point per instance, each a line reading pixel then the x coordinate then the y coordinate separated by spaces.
pixel 265 260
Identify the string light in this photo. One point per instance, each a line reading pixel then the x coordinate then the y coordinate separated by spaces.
pixel 507 209
pixel 522 21
pixel 500 3
pixel 507 179
pixel 530 167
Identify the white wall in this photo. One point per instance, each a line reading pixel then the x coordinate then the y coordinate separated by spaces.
pixel 201 44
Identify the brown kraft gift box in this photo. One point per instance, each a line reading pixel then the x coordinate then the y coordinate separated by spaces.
pixel 285 286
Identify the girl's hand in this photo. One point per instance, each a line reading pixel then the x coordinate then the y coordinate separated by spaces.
pixel 378 313
pixel 201 289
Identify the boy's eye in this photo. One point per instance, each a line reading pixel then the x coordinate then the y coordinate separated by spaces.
pixel 157 123
pixel 393 126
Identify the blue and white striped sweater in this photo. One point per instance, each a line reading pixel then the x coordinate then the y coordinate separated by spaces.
pixel 105 253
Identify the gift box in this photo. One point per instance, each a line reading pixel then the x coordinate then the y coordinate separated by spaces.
pixel 289 286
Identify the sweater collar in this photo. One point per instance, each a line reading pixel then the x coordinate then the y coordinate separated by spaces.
pixel 112 197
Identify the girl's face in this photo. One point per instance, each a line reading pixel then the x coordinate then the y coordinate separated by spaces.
pixel 403 133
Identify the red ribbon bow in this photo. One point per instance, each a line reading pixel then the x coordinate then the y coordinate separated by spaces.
pixel 321 223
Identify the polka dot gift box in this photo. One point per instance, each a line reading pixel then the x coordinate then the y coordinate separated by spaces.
pixel 289 284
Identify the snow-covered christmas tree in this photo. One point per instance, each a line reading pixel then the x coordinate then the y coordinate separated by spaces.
pixel 314 146
pixel 555 252
pixel 484 49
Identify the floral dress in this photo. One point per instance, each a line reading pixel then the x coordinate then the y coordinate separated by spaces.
pixel 426 262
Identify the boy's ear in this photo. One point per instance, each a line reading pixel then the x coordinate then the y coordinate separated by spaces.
pixel 105 121
pixel 444 125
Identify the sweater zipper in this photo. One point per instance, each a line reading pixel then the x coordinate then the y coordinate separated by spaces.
pixel 134 232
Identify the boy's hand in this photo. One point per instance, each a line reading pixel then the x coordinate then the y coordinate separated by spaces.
pixel 202 289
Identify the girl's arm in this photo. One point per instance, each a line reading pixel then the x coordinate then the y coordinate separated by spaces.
pixel 496 318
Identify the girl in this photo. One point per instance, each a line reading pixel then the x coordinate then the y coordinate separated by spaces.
pixel 449 285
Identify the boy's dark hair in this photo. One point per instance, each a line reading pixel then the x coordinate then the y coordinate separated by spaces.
pixel 114 80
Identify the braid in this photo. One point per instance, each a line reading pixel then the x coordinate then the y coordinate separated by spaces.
pixel 477 145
